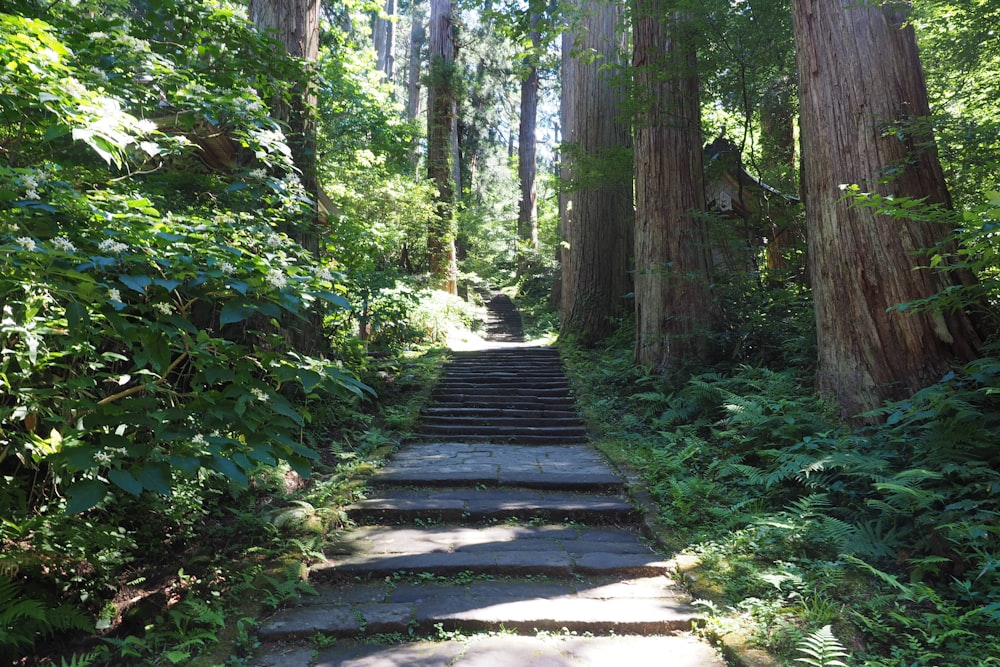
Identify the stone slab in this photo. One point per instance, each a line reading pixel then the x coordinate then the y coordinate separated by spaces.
pixel 513 651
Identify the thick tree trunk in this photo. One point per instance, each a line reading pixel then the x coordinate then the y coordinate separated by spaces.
pixel 295 23
pixel 862 97
pixel 597 230
pixel 527 167
pixel 441 130
pixel 385 40
pixel 418 36
pixel 672 285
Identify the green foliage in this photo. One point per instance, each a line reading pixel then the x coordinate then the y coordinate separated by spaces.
pixel 888 533
pixel 822 649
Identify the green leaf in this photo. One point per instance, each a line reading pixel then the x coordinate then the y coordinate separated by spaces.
pixel 235 311
pixel 309 379
pixel 136 283
pixel 229 469
pixel 84 495
pixel 335 299
pixel 169 285
pixel 77 317
pixel 124 480
pixel 155 476
pixel 280 405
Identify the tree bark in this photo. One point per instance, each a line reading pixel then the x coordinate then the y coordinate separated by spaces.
pixel 385 40
pixel 527 167
pixel 862 97
pixel 597 229
pixel 295 23
pixel 672 282
pixel 441 130
pixel 418 36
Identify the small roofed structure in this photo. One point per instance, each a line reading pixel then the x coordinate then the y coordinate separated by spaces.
pixel 766 216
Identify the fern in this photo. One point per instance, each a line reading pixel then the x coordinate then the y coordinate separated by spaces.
pixel 84 660
pixel 24 620
pixel 823 649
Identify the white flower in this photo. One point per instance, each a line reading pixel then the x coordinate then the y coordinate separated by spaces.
pixel 325 274
pixel 146 126
pixel 112 246
pixel 274 240
pixel 164 307
pixel 114 295
pixel 99 73
pixel 227 268
pixel 258 174
pixel 30 181
pixel 32 194
pixel 260 395
pixel 102 458
pixel 64 244
pixel 276 279
pixel 98 35
pixel 27 243
pixel 198 439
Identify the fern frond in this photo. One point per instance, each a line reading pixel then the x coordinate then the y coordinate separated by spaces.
pixel 823 649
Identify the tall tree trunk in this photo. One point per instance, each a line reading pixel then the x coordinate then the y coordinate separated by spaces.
pixel 672 295
pixel 777 156
pixel 441 130
pixel 385 40
pixel 418 36
pixel 295 23
pixel 597 231
pixel 863 97
pixel 527 167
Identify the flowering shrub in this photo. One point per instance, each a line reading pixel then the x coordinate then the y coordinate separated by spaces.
pixel 147 299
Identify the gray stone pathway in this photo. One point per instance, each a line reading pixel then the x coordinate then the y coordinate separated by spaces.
pixel 497 519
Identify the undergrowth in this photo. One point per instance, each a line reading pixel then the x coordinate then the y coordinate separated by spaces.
pixel 886 534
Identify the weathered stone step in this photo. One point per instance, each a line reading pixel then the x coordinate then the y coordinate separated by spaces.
pixel 510 392
pixel 526 378
pixel 501 386
pixel 538 364
pixel 505 401
pixel 520 436
pixel 602 606
pixel 521 413
pixel 509 550
pixel 515 440
pixel 572 467
pixel 526 424
pixel 555 650
pixel 478 505
pixel 519 352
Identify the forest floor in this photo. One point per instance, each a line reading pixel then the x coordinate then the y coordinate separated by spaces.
pixel 497 535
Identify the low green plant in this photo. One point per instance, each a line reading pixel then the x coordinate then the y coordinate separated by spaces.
pixel 822 649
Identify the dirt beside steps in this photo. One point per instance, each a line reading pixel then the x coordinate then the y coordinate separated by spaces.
pixel 498 537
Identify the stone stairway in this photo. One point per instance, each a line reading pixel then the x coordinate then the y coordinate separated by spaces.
pixel 497 519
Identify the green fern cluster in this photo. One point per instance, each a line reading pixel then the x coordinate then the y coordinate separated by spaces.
pixel 25 620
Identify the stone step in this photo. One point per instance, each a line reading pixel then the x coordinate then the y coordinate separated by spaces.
pixel 507 402
pixel 506 392
pixel 501 387
pixel 500 427
pixel 568 467
pixel 601 606
pixel 505 376
pixel 526 423
pixel 553 650
pixel 509 550
pixel 514 440
pixel 479 505
pixel 484 412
